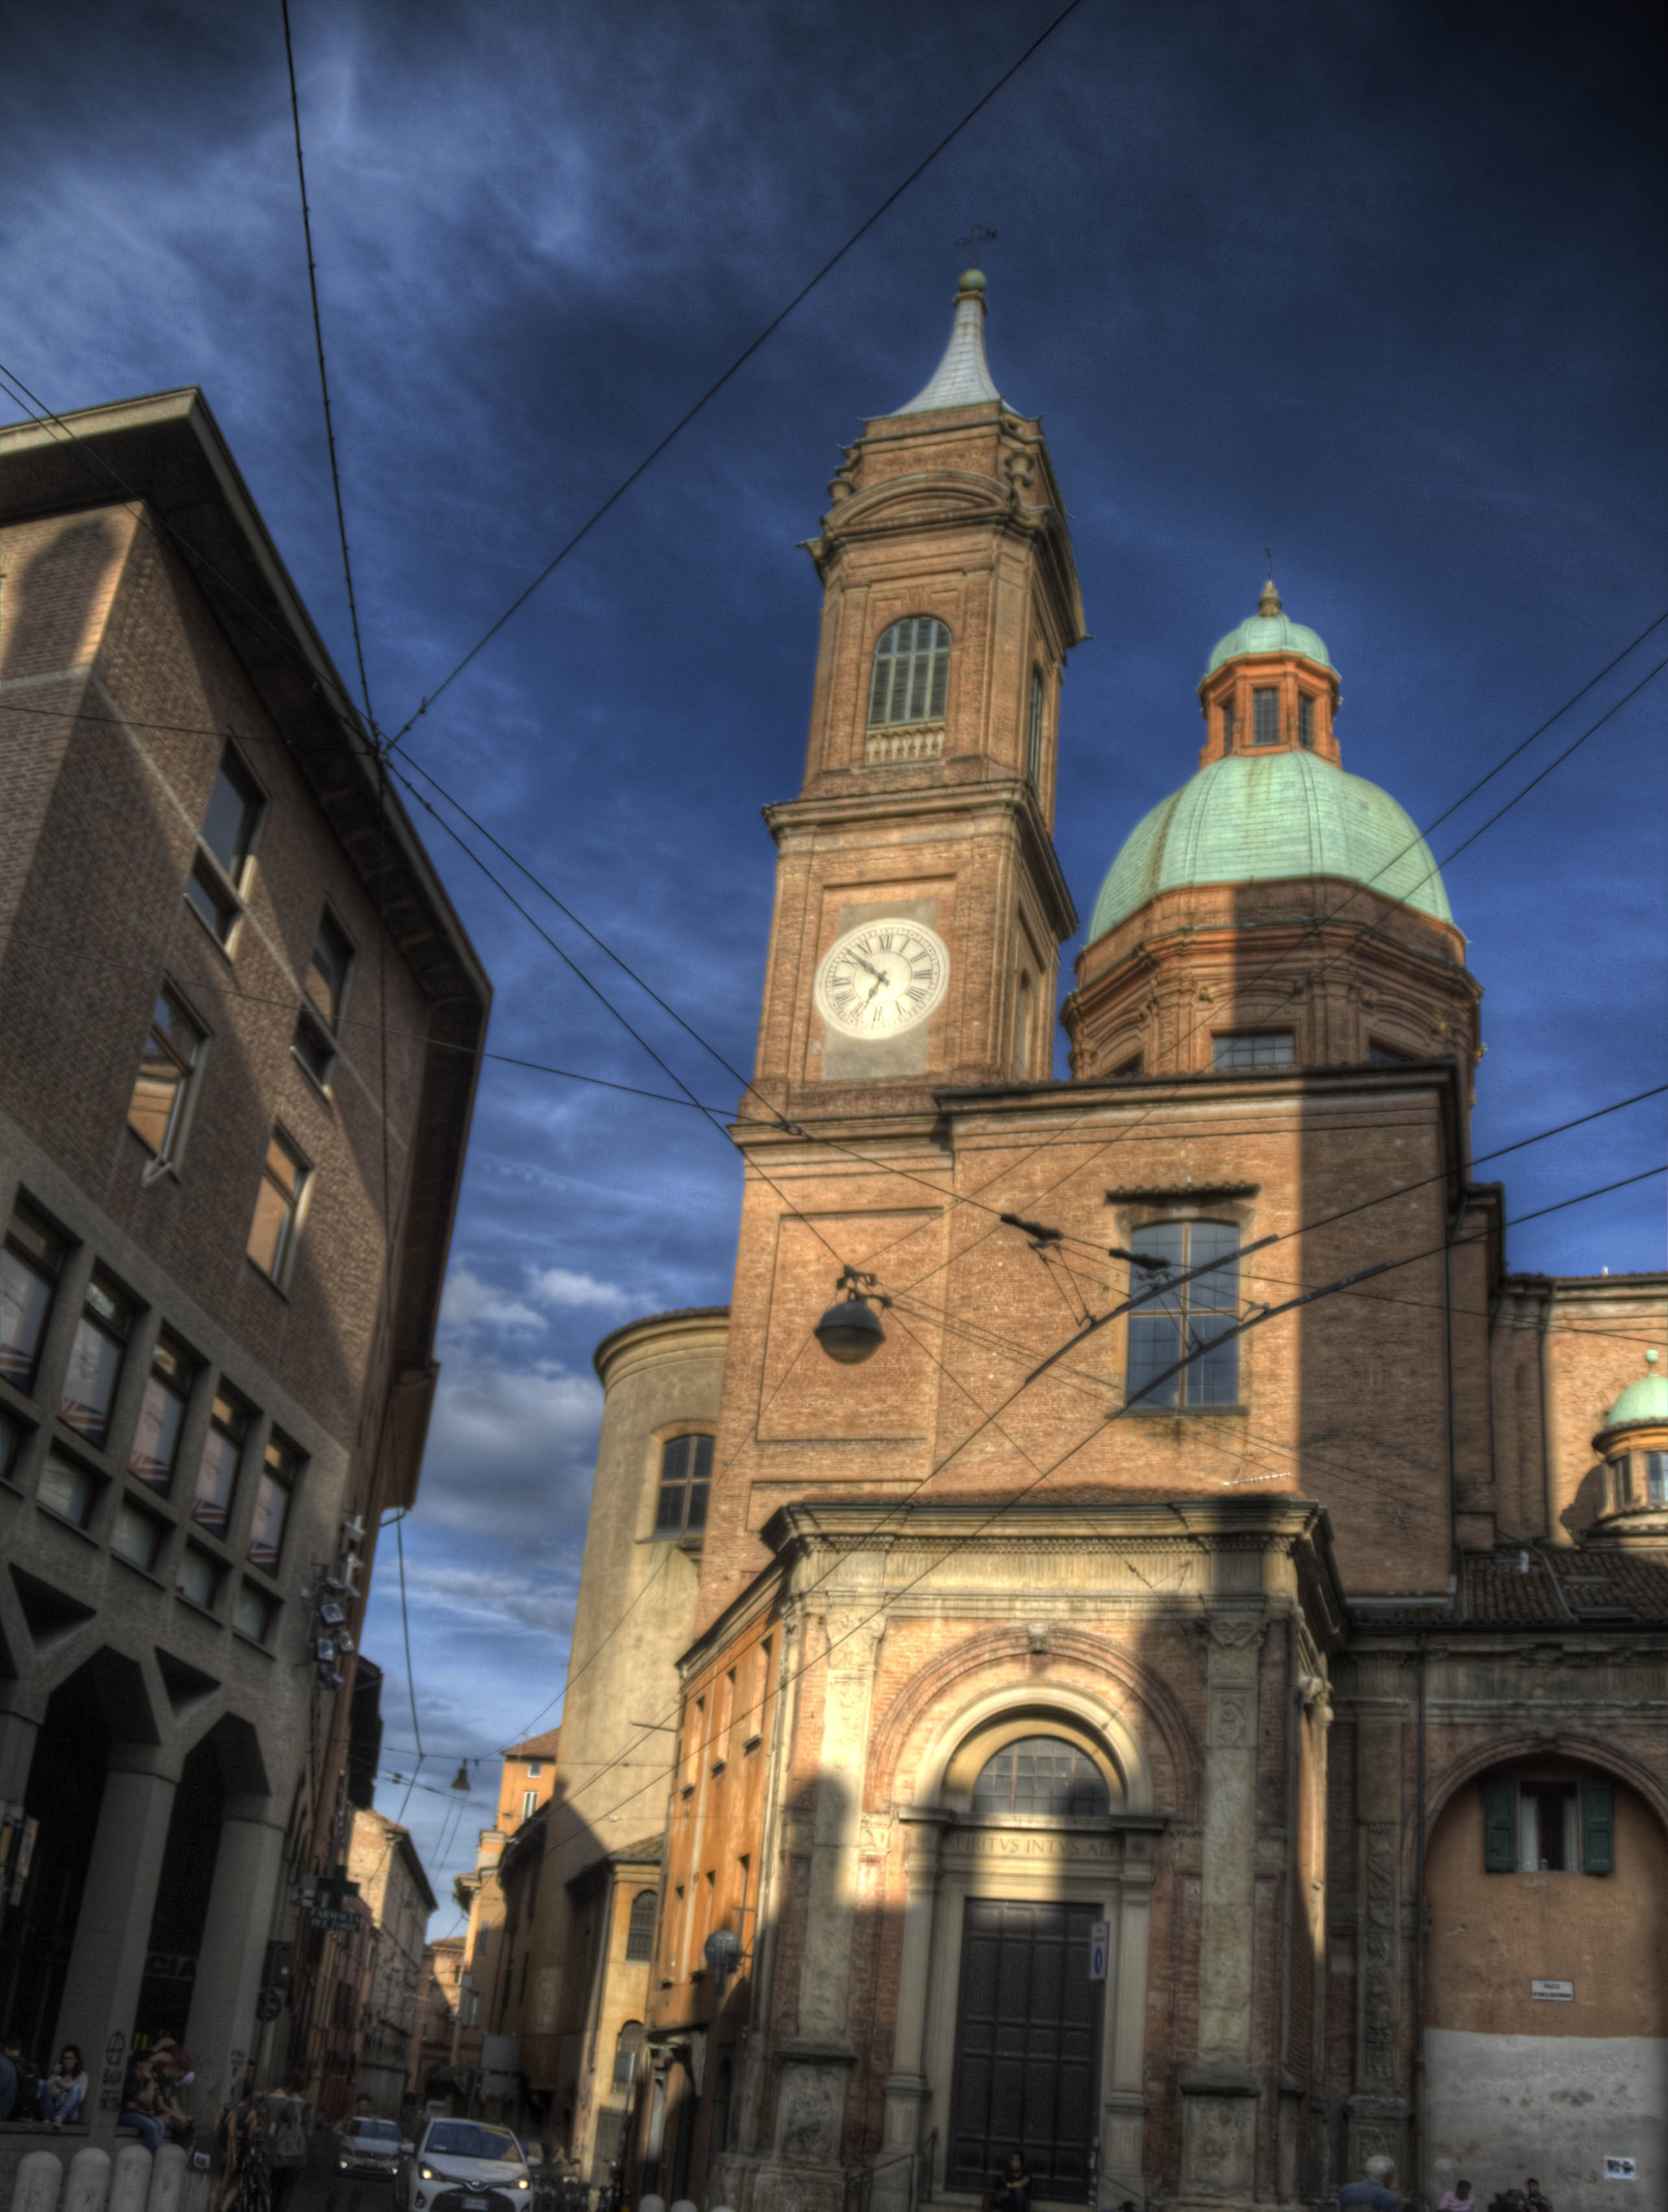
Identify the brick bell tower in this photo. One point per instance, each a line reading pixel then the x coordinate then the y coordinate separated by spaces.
pixel 920 906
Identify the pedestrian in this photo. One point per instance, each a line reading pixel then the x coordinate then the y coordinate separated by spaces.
pixel 1532 2199
pixel 8 2057
pixel 1460 2198
pixel 287 2138
pixel 63 2094
pixel 1373 2193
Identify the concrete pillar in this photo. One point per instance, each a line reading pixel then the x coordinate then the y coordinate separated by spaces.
pixel 39 2177
pixel 107 1963
pixel 167 2179
pixel 1123 2125
pixel 89 2181
pixel 18 1732
pixel 221 2030
pixel 130 2185
pixel 1219 2093
pixel 906 2085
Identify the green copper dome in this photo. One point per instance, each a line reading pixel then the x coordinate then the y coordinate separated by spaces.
pixel 1270 633
pixel 1644 1400
pixel 1250 820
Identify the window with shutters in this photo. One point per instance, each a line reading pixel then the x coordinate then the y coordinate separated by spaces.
pixel 911 678
pixel 639 1932
pixel 1535 1826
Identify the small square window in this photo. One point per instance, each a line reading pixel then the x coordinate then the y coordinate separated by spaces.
pixel 96 1360
pixel 280 1472
pixel 254 1611
pixel 174 1044
pixel 162 1413
pixel 31 1262
pixel 199 1577
pixel 217 1470
pixel 534 1768
pixel 69 1488
pixel 1253 1049
pixel 138 1536
pixel 277 1206
pixel 1266 717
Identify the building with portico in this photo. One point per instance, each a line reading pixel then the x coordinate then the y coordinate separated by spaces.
pixel 1176 1669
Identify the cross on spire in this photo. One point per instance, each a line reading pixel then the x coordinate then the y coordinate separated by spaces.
pixel 980 234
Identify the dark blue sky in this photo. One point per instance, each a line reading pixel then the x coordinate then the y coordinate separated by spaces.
pixel 1379 285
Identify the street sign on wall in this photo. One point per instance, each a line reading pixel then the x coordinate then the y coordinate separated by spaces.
pixel 1099 1934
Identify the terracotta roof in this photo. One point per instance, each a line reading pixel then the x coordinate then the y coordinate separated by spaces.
pixel 1542 1586
pixel 536 1747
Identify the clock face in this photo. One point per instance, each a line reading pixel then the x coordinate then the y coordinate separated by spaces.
pixel 883 978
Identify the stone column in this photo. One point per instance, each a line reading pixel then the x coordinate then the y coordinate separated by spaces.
pixel 906 2084
pixel 1219 2092
pixel 1123 2125
pixel 808 2174
pixel 113 1930
pixel 222 2030
pixel 1378 2109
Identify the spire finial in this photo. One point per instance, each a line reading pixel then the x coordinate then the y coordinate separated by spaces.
pixel 1652 1356
pixel 1270 602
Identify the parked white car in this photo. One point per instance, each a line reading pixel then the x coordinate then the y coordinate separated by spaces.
pixel 465 2165
pixel 368 2147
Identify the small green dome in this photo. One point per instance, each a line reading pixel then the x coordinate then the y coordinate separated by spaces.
pixel 971 280
pixel 1270 633
pixel 1286 814
pixel 1644 1400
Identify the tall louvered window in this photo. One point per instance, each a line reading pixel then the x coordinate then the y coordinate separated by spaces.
pixel 1227 726
pixel 1033 758
pixel 911 673
pixel 1266 717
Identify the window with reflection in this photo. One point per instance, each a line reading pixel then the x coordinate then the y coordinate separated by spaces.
pixel 911 678
pixel 220 878
pixel 1041 1774
pixel 686 1474
pixel 1186 1317
pixel 217 1471
pixel 156 1111
pixel 96 1360
pixel 31 1262
pixel 280 1471
pixel 627 2050
pixel 162 1413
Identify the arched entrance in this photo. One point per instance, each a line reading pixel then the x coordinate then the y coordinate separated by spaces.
pixel 1030 1869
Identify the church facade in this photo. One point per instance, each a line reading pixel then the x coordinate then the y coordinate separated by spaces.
pixel 1187 1706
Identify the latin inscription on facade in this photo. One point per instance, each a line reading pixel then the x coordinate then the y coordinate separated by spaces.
pixel 974 1843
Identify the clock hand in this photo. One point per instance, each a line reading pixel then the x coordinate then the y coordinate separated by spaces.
pixel 867 970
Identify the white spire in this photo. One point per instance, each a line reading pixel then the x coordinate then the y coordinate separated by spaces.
pixel 963 378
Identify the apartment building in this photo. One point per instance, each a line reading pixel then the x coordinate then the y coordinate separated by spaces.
pixel 240 1028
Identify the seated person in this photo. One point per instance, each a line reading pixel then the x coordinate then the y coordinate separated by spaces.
pixel 63 2095
pixel 141 2103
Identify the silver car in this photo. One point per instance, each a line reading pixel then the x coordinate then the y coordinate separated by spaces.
pixel 466 2166
pixel 368 2148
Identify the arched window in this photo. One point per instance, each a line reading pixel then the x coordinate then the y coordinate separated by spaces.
pixel 640 1934
pixel 1188 1318
pixel 628 2049
pixel 911 673
pixel 686 1472
pixel 1041 1774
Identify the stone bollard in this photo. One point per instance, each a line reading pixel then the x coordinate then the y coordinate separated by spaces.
pixel 39 2177
pixel 650 2204
pixel 130 2182
pixel 167 2179
pixel 681 2205
pixel 89 2181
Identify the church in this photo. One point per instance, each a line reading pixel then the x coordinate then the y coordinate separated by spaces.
pixel 1134 1642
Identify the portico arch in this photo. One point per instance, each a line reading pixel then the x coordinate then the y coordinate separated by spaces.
pixel 1002 2033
